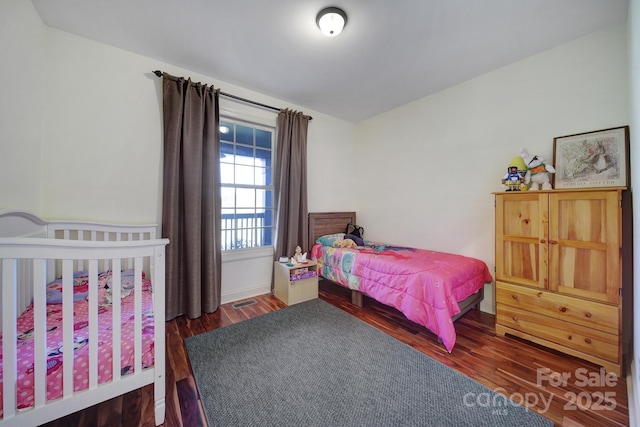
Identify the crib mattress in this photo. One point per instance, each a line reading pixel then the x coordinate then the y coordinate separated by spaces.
pixel 54 336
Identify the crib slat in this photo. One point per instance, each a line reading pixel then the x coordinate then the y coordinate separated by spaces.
pixel 116 313
pixel 39 332
pixel 158 283
pixel 129 260
pixel 24 294
pixel 9 334
pixel 67 327
pixel 138 315
pixel 93 324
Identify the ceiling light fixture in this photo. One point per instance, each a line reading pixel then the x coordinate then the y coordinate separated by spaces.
pixel 331 21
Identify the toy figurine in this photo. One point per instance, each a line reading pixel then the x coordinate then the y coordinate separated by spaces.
pixel 514 179
pixel 298 257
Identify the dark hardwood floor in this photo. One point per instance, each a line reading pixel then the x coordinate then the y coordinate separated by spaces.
pixel 530 374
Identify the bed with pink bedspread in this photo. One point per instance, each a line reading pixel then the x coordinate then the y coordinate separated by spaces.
pixel 54 336
pixel 427 286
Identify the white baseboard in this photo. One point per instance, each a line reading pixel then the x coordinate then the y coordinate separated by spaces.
pixel 632 392
pixel 245 293
pixel 488 306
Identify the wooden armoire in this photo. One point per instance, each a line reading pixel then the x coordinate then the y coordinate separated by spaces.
pixel 559 271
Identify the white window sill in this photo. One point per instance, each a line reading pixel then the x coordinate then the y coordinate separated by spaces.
pixel 252 253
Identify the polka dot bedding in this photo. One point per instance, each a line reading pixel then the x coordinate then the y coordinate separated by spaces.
pixel 55 349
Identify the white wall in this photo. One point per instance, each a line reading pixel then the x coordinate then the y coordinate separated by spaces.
pixel 94 113
pixel 102 137
pixel 427 169
pixel 21 39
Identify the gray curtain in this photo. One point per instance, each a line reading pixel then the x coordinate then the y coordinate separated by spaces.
pixel 191 197
pixel 291 182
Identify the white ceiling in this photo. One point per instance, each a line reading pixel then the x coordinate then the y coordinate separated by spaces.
pixel 390 53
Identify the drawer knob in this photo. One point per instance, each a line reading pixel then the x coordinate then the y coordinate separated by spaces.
pixel 543 241
pixel 587 340
pixel 563 309
pixel 587 314
pixel 515 319
pixel 514 296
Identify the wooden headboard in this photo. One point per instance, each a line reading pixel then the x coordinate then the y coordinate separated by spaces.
pixel 321 223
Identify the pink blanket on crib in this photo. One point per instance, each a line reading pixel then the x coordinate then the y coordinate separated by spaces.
pixel 424 285
pixel 25 380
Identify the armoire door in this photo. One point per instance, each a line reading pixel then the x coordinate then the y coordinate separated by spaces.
pixel 584 244
pixel 521 238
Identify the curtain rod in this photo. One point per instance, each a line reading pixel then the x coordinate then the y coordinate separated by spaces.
pixel 248 101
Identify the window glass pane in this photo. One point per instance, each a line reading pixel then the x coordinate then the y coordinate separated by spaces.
pixel 245 198
pixel 263 158
pixel 260 200
pixel 226 131
pixel 244 135
pixel 264 199
pixel 268 177
pixel 226 173
pixel 244 156
pixel 268 198
pixel 267 239
pixel 228 198
pixel 241 240
pixel 226 152
pixel 228 229
pixel 263 138
pixel 244 175
pixel 268 217
pixel 261 176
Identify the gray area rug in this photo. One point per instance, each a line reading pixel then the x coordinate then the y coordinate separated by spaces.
pixel 312 364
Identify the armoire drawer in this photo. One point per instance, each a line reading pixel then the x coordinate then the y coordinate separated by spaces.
pixel 586 340
pixel 603 317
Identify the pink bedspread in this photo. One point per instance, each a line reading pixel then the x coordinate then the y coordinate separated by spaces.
pixel 424 285
pixel 25 380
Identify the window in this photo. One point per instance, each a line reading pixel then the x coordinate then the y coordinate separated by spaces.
pixel 246 158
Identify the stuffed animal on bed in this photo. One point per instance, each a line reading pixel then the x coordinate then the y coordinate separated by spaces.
pixel 345 244
pixel 538 171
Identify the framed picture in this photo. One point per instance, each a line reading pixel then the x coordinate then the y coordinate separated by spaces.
pixel 592 159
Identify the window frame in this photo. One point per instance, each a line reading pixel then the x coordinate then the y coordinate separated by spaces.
pixel 256 118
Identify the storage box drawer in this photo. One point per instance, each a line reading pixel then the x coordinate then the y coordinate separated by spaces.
pixel 302 290
pixel 603 317
pixel 586 340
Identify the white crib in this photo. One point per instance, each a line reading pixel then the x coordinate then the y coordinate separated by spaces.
pixel 34 252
